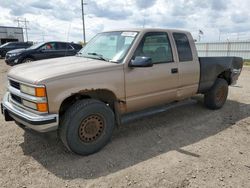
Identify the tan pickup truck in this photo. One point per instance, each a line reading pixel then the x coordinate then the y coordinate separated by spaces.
pixel 116 73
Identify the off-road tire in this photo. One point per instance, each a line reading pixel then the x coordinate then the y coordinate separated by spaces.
pixel 216 97
pixel 81 117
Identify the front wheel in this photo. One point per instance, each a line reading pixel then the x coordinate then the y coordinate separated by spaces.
pixel 27 60
pixel 217 96
pixel 87 126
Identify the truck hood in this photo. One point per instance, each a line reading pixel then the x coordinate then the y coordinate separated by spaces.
pixel 40 71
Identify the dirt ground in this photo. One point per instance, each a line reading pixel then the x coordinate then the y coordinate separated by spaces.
pixel 187 146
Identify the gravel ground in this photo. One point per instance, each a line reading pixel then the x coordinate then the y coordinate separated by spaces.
pixel 187 146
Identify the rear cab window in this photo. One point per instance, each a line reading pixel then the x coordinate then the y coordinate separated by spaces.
pixel 183 47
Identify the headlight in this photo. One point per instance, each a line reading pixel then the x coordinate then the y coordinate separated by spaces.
pixel 15 54
pixel 29 104
pixel 34 91
pixel 28 90
pixel 41 107
pixel 37 91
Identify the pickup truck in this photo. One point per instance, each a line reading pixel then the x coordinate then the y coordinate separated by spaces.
pixel 118 72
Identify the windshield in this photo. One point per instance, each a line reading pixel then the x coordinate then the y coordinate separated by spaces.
pixel 6 44
pixel 35 46
pixel 109 46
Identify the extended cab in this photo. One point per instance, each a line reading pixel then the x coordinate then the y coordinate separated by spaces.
pixel 117 72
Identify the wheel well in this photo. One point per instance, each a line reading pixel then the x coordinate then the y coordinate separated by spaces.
pixel 226 75
pixel 105 96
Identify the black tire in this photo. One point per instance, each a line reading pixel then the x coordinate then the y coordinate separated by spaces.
pixel 217 96
pixel 27 60
pixel 80 119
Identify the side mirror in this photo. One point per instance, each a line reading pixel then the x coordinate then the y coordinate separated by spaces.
pixel 141 62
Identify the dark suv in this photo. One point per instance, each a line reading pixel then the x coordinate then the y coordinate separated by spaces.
pixel 12 46
pixel 40 51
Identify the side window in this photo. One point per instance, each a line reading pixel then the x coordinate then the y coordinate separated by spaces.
pixel 49 46
pixel 26 45
pixel 62 46
pixel 69 47
pixel 22 45
pixel 157 46
pixel 11 45
pixel 183 47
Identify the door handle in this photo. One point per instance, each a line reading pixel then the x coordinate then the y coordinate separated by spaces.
pixel 174 70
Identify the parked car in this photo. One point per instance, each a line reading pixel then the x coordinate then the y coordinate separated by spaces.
pixel 116 73
pixel 12 46
pixel 45 50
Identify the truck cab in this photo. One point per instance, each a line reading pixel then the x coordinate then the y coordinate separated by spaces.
pixel 174 74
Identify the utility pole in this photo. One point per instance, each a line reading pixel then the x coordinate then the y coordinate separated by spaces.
pixel 83 22
pixel 18 20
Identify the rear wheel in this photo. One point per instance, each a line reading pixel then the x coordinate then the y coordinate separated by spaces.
pixel 217 96
pixel 87 126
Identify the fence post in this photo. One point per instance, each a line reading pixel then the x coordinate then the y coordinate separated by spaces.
pixel 228 48
pixel 207 46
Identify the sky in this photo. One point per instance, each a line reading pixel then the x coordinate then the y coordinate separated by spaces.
pixel 62 19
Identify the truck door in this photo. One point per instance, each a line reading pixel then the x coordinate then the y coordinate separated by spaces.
pixel 188 65
pixel 146 87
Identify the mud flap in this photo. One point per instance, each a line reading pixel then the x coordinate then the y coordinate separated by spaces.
pixel 7 117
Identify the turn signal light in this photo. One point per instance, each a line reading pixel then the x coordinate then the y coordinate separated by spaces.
pixel 42 107
pixel 40 92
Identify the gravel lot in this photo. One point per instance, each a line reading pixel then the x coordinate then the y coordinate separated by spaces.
pixel 187 146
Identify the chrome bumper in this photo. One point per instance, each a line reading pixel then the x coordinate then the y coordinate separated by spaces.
pixel 40 123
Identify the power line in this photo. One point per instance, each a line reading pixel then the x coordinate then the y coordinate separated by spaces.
pixel 19 20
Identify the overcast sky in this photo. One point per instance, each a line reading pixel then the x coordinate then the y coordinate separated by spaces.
pixel 61 19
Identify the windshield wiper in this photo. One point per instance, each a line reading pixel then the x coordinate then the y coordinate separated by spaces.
pixel 100 56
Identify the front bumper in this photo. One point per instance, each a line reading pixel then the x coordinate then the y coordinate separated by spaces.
pixel 12 60
pixel 40 123
pixel 2 54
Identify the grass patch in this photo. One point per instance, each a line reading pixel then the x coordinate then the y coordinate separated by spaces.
pixel 247 62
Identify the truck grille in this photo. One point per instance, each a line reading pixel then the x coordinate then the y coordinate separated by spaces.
pixel 16 98
pixel 15 84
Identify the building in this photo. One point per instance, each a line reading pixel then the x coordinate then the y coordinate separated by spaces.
pixel 11 34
